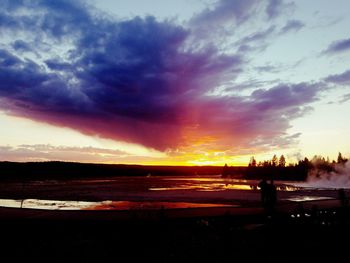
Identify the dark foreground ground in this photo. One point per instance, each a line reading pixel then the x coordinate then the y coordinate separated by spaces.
pixel 321 238
pixel 318 235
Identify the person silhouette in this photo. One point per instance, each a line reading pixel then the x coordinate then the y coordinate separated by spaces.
pixel 225 171
pixel 344 203
pixel 263 185
pixel 342 197
pixel 272 193
pixel 271 197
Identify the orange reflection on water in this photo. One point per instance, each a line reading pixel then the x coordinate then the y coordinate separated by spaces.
pixel 169 188
pixel 129 205
pixel 205 187
pixel 209 184
pixel 207 179
pixel 287 188
pixel 303 198
pixel 239 186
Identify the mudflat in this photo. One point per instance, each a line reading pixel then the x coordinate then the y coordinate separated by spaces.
pixel 235 228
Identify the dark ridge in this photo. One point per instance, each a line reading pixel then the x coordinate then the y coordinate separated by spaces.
pixel 68 170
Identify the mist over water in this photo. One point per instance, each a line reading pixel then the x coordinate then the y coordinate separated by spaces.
pixel 322 179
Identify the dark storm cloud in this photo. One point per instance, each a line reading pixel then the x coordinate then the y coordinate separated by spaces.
pixel 142 73
pixel 55 17
pixel 128 80
pixel 138 80
pixel 338 46
pixel 55 64
pixel 27 84
pixel 18 76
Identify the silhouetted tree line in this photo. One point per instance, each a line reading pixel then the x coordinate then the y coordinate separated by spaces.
pixel 277 169
pixel 69 170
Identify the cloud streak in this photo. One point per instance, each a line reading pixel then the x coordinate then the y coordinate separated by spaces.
pixel 60 153
pixel 292 25
pixel 275 8
pixel 234 12
pixel 340 79
pixel 338 46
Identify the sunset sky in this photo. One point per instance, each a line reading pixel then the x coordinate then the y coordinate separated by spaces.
pixel 190 82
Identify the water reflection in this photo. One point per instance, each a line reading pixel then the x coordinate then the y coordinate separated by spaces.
pixel 208 184
pixel 204 187
pixel 103 205
pixel 128 205
pixel 47 204
pixel 303 198
pixel 206 179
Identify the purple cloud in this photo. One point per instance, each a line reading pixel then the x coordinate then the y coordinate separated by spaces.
pixel 139 85
pixel 261 117
pixel 255 40
pixel 267 68
pixel 285 96
pixel 338 46
pixel 258 36
pixel 226 11
pixel 340 79
pixel 139 80
pixel 275 8
pixel 292 25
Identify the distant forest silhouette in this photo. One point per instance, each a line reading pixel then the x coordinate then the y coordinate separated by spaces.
pixel 276 168
pixel 69 170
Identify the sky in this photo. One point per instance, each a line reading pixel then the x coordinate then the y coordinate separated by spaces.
pixel 188 82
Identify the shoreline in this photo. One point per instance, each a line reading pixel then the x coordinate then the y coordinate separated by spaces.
pixel 156 214
pixel 224 238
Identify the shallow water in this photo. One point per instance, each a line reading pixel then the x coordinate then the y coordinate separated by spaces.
pixel 304 198
pixel 215 184
pixel 154 192
pixel 103 205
